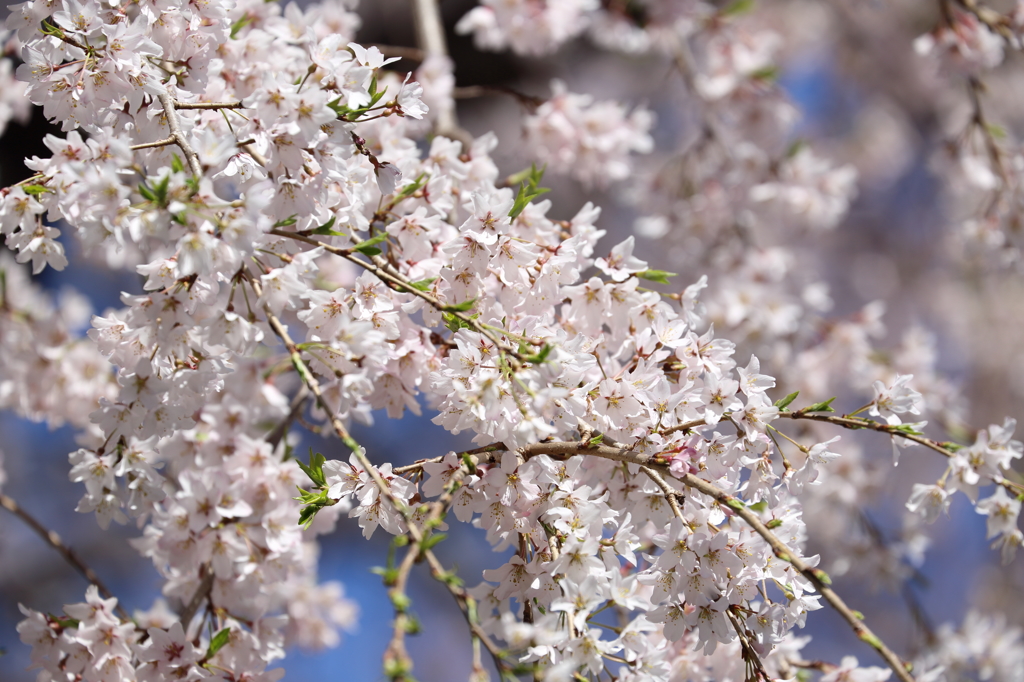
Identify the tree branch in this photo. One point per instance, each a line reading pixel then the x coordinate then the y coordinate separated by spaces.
pixel 179 138
pixel 817 577
pixel 69 554
pixel 149 145
pixel 405 287
pixel 208 105
pixel 438 571
pixel 201 593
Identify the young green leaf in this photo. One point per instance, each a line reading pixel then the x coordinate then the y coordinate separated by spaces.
pixel 824 406
pixel 463 307
pixel 325 229
pixel 368 246
pixel 423 284
pixel 34 190
pixel 290 220
pixel 540 356
pixel 147 193
pixel 783 403
pixel 528 191
pixel 176 165
pixel 659 276
pixel 411 188
pixel 218 642
pixel 430 542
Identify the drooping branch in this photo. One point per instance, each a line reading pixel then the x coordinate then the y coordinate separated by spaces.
pixel 70 556
pixel 404 286
pixel 298 402
pixel 817 577
pixel 201 594
pixel 856 423
pixel 415 532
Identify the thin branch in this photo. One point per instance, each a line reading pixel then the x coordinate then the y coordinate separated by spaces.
pixel 462 598
pixel 685 426
pixel 749 654
pixel 817 577
pixel 530 102
pixel 493 447
pixel 298 402
pixel 855 423
pixel 69 554
pixel 666 489
pixel 405 287
pixel 179 138
pixel 974 89
pixel 208 105
pixel 149 145
pixel 201 593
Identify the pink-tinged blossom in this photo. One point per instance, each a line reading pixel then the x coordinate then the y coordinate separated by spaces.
pixel 590 140
pixel 525 26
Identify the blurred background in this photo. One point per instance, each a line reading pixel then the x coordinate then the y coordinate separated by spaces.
pixel 864 98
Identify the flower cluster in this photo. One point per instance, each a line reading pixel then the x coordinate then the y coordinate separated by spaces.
pixel 308 256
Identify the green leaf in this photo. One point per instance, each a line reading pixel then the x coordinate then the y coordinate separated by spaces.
pixel 423 284
pixel 35 190
pixel 147 193
pixel 824 406
pixel 737 7
pixel 996 131
pixel 659 276
pixel 411 188
pixel 413 625
pixel 774 523
pixel 795 148
pixel 768 73
pixel 540 356
pixel 315 468
pixel 430 542
pixel 176 165
pixel 463 307
pixel 468 461
pixel 290 220
pixel 759 506
pixel 783 403
pixel 307 514
pixel 528 191
pixel 66 622
pixel 160 189
pixel 240 24
pixel 596 440
pixel 453 322
pixel 218 642
pixel 339 108
pixel 907 429
pixel 367 246
pixel 326 228
pixel 735 503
